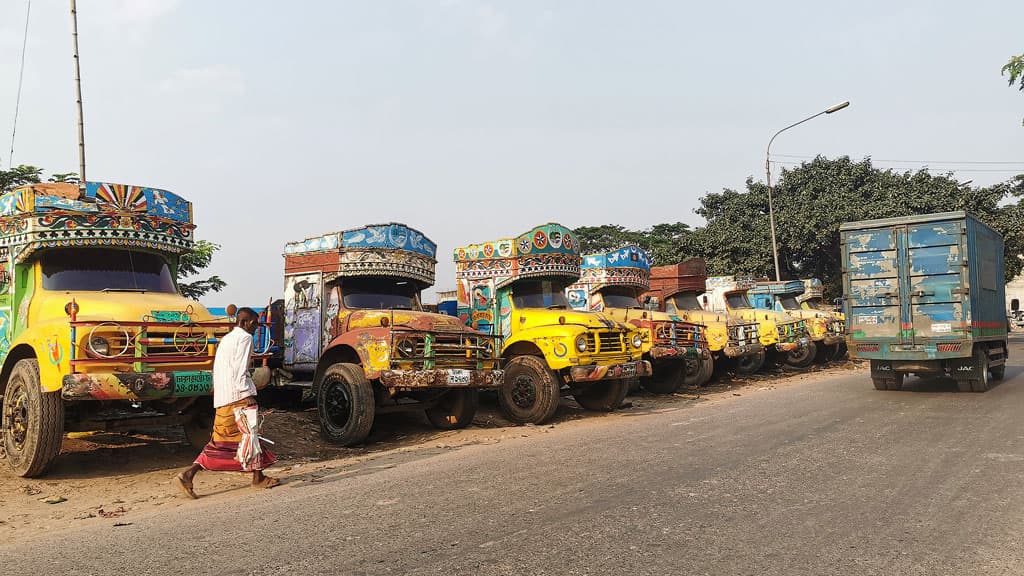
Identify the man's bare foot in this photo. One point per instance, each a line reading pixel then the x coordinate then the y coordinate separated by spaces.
pixel 266 482
pixel 185 486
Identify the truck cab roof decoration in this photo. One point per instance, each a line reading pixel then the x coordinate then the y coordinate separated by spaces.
pixel 813 288
pixel 687 276
pixel 49 215
pixel 627 266
pixel 392 249
pixel 730 283
pixel 547 250
pixel 782 287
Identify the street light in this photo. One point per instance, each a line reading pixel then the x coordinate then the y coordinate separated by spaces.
pixel 768 173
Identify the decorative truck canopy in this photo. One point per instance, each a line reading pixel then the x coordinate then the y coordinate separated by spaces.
pixel 547 250
pixel 687 276
pixel 628 266
pixel 813 288
pixel 58 215
pixel 393 249
pixel 795 287
pixel 729 283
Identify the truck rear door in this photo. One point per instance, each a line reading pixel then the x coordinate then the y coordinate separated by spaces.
pixel 936 280
pixel 875 284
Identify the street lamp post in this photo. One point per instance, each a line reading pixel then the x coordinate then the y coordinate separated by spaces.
pixel 768 178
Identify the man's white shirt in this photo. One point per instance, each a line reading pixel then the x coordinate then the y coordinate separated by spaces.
pixel 231 379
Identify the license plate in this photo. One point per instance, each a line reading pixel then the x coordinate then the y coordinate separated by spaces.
pixel 458 376
pixel 629 370
pixel 192 383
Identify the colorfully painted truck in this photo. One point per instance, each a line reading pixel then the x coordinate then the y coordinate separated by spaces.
pixel 93 332
pixel 355 330
pixel 514 288
pixel 813 298
pixel 610 283
pixel 779 332
pixel 823 328
pixel 926 295
pixel 676 289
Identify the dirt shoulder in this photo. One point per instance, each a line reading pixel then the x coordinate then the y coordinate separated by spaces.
pixel 108 477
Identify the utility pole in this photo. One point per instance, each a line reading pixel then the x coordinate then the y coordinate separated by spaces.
pixel 78 99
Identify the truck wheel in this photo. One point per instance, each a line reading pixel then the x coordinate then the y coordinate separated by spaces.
pixel 199 425
pixel 603 396
pixel 981 382
pixel 893 382
pixel 530 391
pixel 750 363
pixel 840 352
pixel 345 404
pixel 670 375
pixel 803 356
pixel 707 370
pixel 998 372
pixel 825 353
pixel 455 409
pixel 33 421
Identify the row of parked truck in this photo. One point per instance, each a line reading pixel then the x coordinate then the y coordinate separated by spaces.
pixel 94 335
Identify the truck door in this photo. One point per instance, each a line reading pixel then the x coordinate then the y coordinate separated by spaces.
pixel 935 276
pixel 302 326
pixel 874 303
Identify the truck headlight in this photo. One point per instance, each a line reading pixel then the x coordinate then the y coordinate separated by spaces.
pixel 638 340
pixel 581 343
pixel 99 346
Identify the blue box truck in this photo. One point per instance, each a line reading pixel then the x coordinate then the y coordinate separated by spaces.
pixel 925 295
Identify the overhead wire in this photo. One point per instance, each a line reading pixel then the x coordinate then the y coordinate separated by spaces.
pixel 21 76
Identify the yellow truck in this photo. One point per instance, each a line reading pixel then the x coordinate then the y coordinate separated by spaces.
pixel 514 288
pixel 611 283
pixel 823 328
pixel 676 289
pixel 779 332
pixel 93 332
pixel 813 298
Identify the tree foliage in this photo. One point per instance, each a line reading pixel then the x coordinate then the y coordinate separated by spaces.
pixel 666 243
pixel 1014 68
pixel 193 263
pixel 811 201
pixel 19 176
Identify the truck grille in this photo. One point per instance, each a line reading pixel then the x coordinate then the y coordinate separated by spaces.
pixel 161 344
pixel 792 331
pixel 679 334
pixel 743 334
pixel 442 350
pixel 608 342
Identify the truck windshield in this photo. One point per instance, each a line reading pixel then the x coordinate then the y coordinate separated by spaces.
pixel 380 294
pixel 818 303
pixel 737 301
pixel 619 297
pixel 105 269
pixel 539 294
pixel 789 303
pixel 686 302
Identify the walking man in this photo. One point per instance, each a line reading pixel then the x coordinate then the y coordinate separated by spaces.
pixel 233 388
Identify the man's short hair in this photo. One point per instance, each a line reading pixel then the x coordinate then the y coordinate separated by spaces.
pixel 244 313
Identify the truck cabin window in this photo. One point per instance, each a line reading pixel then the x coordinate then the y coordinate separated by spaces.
pixel 789 303
pixel 105 270
pixel 539 294
pixel 380 294
pixel 686 302
pixel 737 300
pixel 619 297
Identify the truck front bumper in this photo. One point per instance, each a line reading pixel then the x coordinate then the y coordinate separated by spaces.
pixel 135 385
pixel 669 352
pixel 790 346
pixel 441 378
pixel 594 372
pixel 737 350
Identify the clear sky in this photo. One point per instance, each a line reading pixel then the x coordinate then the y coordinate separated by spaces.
pixel 474 120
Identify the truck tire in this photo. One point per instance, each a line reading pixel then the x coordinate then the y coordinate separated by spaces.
pixel 981 382
pixel 33 421
pixel 199 423
pixel 803 356
pixel 892 382
pixel 825 353
pixel 455 409
pixel 998 372
pixel 345 404
pixel 707 370
pixel 840 352
pixel 668 376
pixel 750 363
pixel 603 396
pixel 530 391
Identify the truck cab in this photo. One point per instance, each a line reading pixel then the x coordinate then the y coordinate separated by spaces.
pixel 824 330
pixel 813 299
pixel 93 332
pixel 676 290
pixel 514 288
pixel 677 350
pixel 355 330
pixel 779 332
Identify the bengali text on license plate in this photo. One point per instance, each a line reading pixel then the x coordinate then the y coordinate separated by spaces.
pixel 458 376
pixel 629 370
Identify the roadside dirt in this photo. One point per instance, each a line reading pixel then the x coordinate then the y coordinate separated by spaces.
pixel 108 477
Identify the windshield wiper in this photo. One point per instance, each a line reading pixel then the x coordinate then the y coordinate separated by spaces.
pixel 556 306
pixel 140 290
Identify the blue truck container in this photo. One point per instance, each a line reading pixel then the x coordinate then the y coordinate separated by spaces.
pixel 926 295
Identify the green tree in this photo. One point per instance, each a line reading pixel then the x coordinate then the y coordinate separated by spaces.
pixel 71 177
pixel 1015 69
pixel 19 176
pixel 194 262
pixel 666 243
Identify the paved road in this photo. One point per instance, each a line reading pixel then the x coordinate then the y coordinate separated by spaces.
pixel 817 477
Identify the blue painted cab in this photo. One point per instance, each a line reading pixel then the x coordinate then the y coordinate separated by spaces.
pixel 925 294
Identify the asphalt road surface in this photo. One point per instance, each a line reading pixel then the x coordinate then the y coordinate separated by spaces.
pixel 824 476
